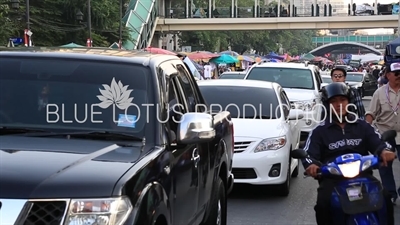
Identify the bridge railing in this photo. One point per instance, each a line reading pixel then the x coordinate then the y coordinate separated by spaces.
pixel 251 11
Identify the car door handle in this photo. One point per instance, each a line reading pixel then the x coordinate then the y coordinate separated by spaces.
pixel 195 157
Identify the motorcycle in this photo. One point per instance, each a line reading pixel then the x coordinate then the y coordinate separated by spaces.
pixel 356 199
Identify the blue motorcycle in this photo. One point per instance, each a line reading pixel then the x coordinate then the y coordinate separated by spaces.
pixel 356 199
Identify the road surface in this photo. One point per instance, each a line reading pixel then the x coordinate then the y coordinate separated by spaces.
pixel 258 205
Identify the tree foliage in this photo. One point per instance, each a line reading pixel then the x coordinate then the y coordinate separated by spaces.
pixel 54 22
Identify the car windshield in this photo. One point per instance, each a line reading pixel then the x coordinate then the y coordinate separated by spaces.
pixel 286 77
pixel 352 77
pixel 242 102
pixel 232 76
pixel 327 80
pixel 75 95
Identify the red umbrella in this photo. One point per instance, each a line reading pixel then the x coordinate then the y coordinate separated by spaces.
pixel 159 51
pixel 202 55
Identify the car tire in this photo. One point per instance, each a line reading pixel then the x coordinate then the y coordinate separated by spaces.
pixel 218 205
pixel 296 170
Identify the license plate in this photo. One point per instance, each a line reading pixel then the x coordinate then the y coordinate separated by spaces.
pixel 354 193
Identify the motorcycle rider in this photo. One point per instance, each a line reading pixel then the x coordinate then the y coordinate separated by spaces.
pixel 341 132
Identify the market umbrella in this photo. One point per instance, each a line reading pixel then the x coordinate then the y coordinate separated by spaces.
pixel 233 53
pixel 227 59
pixel 307 56
pixel 273 55
pixel 202 55
pixel 159 51
pixel 245 58
pixel 72 45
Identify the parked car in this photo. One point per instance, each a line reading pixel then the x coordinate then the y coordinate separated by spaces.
pixel 365 83
pixel 93 135
pixel 301 82
pixel 265 129
pixel 232 75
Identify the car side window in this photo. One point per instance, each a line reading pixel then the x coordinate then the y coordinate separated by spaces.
pixel 175 105
pixel 285 103
pixel 190 95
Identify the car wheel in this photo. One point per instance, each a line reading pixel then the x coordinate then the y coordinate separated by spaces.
pixel 296 170
pixel 218 205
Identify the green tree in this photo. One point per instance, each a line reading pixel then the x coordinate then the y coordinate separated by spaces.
pixel 53 22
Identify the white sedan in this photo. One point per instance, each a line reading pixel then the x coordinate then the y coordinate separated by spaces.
pixel 265 130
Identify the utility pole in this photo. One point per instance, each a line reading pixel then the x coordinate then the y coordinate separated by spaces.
pixel 121 5
pixel 28 32
pixel 398 25
pixel 89 24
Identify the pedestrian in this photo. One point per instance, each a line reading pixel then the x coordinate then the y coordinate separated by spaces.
pixel 356 104
pixel 383 113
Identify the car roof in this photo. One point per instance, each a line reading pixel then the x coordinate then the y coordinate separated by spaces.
pixel 359 73
pixel 103 54
pixel 284 65
pixel 238 83
pixel 234 72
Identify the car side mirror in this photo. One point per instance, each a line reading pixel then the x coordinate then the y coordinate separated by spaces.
pixel 295 114
pixel 298 154
pixel 194 128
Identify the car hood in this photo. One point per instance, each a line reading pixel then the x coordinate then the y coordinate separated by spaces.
pixel 33 167
pixel 295 95
pixel 257 128
pixel 353 83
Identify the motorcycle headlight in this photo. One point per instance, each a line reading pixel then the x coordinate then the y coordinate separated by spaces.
pixel 271 144
pixel 367 164
pixel 305 105
pixel 333 171
pixel 106 211
pixel 350 170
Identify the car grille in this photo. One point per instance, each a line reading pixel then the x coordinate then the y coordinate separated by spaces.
pixel 241 146
pixel 46 213
pixel 244 173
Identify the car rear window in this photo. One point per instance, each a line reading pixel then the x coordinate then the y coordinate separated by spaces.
pixel 286 77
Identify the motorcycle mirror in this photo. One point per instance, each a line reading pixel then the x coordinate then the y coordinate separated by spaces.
pixel 298 154
pixel 388 135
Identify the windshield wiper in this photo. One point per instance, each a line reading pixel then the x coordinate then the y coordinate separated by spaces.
pixel 20 130
pixel 103 135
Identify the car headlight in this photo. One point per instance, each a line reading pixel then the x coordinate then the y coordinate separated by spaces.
pixel 305 105
pixel 271 144
pixel 105 211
